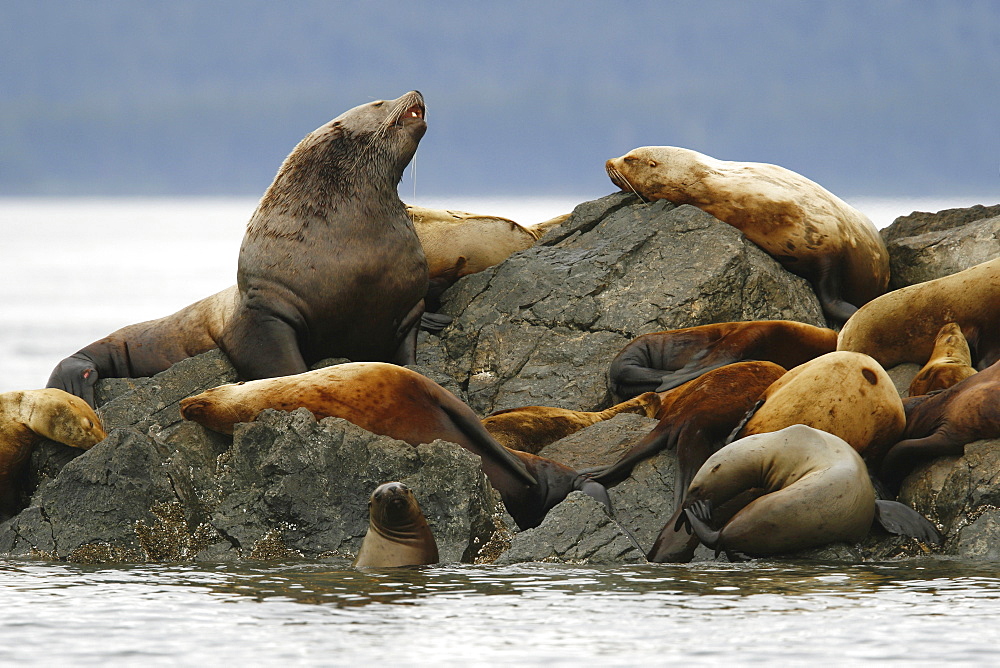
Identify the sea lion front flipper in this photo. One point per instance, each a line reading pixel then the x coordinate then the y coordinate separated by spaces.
pixel 690 371
pixel 829 291
pixel 746 418
pixel 77 375
pixel 699 514
pixel 902 520
pixel 434 322
pixel 486 444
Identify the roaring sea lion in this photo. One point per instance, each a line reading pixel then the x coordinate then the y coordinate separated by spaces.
pixel 808 229
pixel 902 326
pixel 664 360
pixel 816 491
pixel 941 424
pixel 846 394
pixel 28 416
pixel 531 428
pixel 950 362
pixel 330 266
pixel 394 401
pixel 398 534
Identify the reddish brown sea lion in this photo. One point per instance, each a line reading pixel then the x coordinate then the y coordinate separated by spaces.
pixel 394 401
pixel 330 266
pixel 808 229
pixel 531 428
pixel 398 534
pixel 941 424
pixel 902 326
pixel 843 393
pixel 950 362
pixel 28 416
pixel 816 491
pixel 664 360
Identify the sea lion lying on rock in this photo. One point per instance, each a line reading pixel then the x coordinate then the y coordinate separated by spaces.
pixel 664 360
pixel 950 363
pixel 28 416
pixel 808 229
pixel 816 491
pixel 394 401
pixel 531 428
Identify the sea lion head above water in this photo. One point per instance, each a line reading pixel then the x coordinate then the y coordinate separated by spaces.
pixel 398 533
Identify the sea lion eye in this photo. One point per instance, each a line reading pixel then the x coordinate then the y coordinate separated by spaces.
pixel 378 104
pixel 87 423
pixel 652 163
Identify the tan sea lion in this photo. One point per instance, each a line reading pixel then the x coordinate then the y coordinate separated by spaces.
pixel 398 534
pixel 902 326
pixel 531 428
pixel 394 401
pixel 941 424
pixel 808 229
pixel 664 360
pixel 28 416
pixel 846 394
pixel 696 419
pixel 816 491
pixel 330 266
pixel 950 362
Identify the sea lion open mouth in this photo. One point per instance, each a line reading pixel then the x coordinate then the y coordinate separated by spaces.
pixel 414 111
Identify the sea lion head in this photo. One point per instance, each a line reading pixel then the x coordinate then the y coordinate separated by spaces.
pixel 660 172
pixel 65 418
pixel 394 511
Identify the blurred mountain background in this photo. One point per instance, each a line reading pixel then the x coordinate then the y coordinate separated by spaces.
pixel 867 97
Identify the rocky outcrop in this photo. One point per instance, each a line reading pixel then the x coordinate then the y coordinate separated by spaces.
pixel 542 327
pixel 925 246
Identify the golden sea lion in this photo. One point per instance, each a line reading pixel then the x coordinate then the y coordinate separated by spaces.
pixel 846 394
pixel 902 326
pixel 398 534
pixel 808 229
pixel 28 416
pixel 950 362
pixel 664 360
pixel 816 490
pixel 531 428
pixel 941 424
pixel 394 401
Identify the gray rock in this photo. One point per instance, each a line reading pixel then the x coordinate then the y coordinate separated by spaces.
pixel 577 531
pixel 902 375
pixel 925 246
pixel 542 327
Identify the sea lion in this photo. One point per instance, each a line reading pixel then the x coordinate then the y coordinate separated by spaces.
pixel 808 229
pixel 531 428
pixel 28 416
pixel 950 362
pixel 147 348
pixel 941 424
pixel 846 394
pixel 902 326
pixel 816 491
pixel 664 360
pixel 696 419
pixel 398 534
pixel 394 401
pixel 330 266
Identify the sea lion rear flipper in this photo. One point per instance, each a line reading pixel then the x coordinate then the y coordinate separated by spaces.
pixel 828 291
pixel 746 418
pixel 699 514
pixel 477 433
pixel 902 520
pixel 690 371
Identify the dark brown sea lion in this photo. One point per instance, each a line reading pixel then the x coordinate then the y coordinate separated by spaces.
pixel 816 490
pixel 531 428
pixel 28 416
pixel 663 360
pixel 398 534
pixel 941 424
pixel 330 266
pixel 394 401
pixel 843 393
pixel 696 419
pixel 902 326
pixel 808 229
pixel 950 363
pixel 147 348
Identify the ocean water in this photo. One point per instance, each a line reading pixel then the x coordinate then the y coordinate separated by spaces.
pixel 72 271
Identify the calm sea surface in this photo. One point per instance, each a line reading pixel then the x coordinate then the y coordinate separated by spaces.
pixel 72 271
